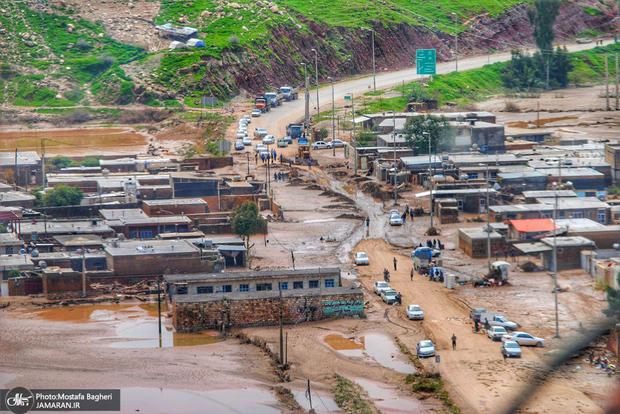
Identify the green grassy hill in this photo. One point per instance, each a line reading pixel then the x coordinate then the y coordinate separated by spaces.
pixel 56 57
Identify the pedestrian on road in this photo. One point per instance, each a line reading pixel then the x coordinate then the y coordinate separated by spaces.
pixel 512 254
pixel 256 157
pixel 310 164
pixel 399 299
pixel 347 165
pixel 404 217
pixel 395 263
pixel 290 175
pixel 411 274
pixel 367 221
pixel 434 243
pixel 487 325
pixel 406 208
pixel 275 176
pixel 505 254
pixel 453 341
pixel 411 214
pixel 262 157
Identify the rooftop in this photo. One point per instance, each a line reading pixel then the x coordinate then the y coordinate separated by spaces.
pixel 572 241
pixel 265 294
pixel 202 277
pixel 549 193
pixel 137 216
pixel 8 196
pixel 174 202
pixel 7 159
pixel 480 233
pixel 64 227
pixel 79 240
pixel 577 223
pixel 571 172
pixel 458 191
pixel 533 225
pixel 151 247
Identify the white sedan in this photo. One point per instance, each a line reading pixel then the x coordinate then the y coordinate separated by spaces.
pixel 247 118
pixel 524 339
pixel 425 349
pixel 396 220
pixel 256 113
pixel 259 147
pixel 380 287
pixel 247 141
pixel 321 145
pixel 415 312
pixel 337 143
pixel 269 139
pixel 361 258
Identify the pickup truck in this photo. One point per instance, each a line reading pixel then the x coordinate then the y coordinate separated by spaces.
pixel 289 93
pixel 495 319
pixel 274 98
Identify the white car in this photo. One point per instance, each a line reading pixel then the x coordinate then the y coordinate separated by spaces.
pixel 396 220
pixel 247 141
pixel 321 145
pixel 415 312
pixel 242 127
pixel 239 145
pixel 361 258
pixel 524 339
pixel 425 349
pixel 496 332
pixel 247 118
pixel 394 211
pixel 389 296
pixel 511 349
pixel 269 139
pixel 337 143
pixel 259 147
pixel 260 132
pixel 380 287
pixel 256 113
pixel 241 134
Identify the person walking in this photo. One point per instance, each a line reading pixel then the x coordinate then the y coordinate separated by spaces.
pixel 512 254
pixel 367 221
pixel 453 341
pixel 411 214
pixel 262 157
pixel 275 176
pixel 591 358
pixel 399 299
pixel 395 263
pixel 505 254
pixel 406 208
pixel 310 164
pixel 404 217
pixel 256 157
pixel 411 274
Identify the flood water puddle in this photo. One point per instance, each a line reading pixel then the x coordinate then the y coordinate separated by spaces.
pixel 160 401
pixel 387 399
pixel 322 405
pixel 70 142
pixel 379 347
pixel 136 324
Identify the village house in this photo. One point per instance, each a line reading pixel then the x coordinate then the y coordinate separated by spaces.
pixel 24 167
pixel 528 229
pixel 177 206
pixel 226 300
pixel 568 207
pixel 568 250
pixel 135 224
pixel 473 242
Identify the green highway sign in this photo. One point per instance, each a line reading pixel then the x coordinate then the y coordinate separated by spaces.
pixel 426 61
pixel 347 97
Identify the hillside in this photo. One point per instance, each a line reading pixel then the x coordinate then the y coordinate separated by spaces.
pixel 75 53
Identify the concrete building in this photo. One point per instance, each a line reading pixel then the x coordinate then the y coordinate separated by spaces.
pixel 568 251
pixel 16 199
pixel 135 224
pixel 612 157
pixel 38 231
pixel 226 300
pixel 177 206
pixel 577 207
pixel 528 229
pixel 10 243
pixel 68 243
pixel 24 167
pixel 473 242
pixel 469 200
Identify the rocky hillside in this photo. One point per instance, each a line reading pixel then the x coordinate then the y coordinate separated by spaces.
pixel 76 53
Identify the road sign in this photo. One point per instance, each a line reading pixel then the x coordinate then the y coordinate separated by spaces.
pixel 347 97
pixel 426 61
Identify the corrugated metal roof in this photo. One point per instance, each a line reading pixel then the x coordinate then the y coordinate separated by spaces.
pixel 533 225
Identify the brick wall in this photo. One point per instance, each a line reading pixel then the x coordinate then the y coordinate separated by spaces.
pixel 263 312
pixel 64 285
pixel 152 265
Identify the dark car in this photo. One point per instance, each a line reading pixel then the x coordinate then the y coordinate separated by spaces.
pixel 475 313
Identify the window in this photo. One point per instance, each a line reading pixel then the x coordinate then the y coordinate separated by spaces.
pixel 601 216
pixel 561 214
pixel 298 285
pixel 244 287
pixel 578 214
pixel 204 289
pixel 284 286
pixel 472 176
pixel 313 284
pixel 181 290
pixel 227 288
pixel 263 286
pixel 146 234
pixel 329 283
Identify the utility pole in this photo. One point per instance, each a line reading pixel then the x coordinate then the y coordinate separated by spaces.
pixel 281 317
pixel 488 221
pixel 248 154
pixel 16 174
pixel 430 176
pixel 456 41
pixel 374 68
pixel 395 169
pixel 307 97
pixel 309 393
pixel 607 83
pixel 83 272
pixel 159 304
pixel 354 135
pixel 617 105
pixel 333 117
pixel 316 74
pixel 43 179
pixel 555 264
pixel 547 85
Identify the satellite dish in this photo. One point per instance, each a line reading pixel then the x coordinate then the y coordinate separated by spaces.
pixel 42 264
pixel 34 253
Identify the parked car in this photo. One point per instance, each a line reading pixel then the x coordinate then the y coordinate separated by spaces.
pixel 415 312
pixel 511 349
pixel 256 113
pixel 260 132
pixel 247 118
pixel 259 147
pixel 337 143
pixel 475 313
pixel 524 339
pixel 425 349
pixel 389 296
pixel 247 141
pixel 380 287
pixel 396 220
pixel 394 211
pixel 321 145
pixel 288 139
pixel 239 145
pixel 495 319
pixel 268 140
pixel 496 332
pixel 241 134
pixel 361 258
pixel 242 127
pixel 282 143
pixel 264 151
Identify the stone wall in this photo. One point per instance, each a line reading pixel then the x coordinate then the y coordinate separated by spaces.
pixel 264 312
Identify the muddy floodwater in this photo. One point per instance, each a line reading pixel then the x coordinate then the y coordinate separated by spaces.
pixel 76 142
pixel 374 346
pixel 135 325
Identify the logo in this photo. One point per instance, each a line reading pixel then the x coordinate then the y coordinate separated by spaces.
pixel 19 400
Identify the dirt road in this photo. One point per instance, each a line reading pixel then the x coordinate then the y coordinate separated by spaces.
pixel 475 369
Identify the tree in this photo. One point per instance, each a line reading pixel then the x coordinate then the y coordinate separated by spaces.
pixel 13 273
pixel 63 195
pixel 521 74
pixel 246 221
pixel 439 130
pixel 561 66
pixel 60 161
pixel 90 162
pixel 418 93
pixel 613 298
pixel 542 15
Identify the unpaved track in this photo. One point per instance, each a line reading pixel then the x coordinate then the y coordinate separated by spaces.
pixel 476 369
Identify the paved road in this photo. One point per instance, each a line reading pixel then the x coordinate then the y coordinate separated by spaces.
pixel 276 120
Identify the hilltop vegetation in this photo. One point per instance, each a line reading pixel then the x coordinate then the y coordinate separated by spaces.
pixel 56 57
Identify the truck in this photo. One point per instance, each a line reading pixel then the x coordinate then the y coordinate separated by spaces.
pixel 290 93
pixel 303 148
pixel 261 103
pixel 274 98
pixel 422 257
pixel 495 319
pixel 295 130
